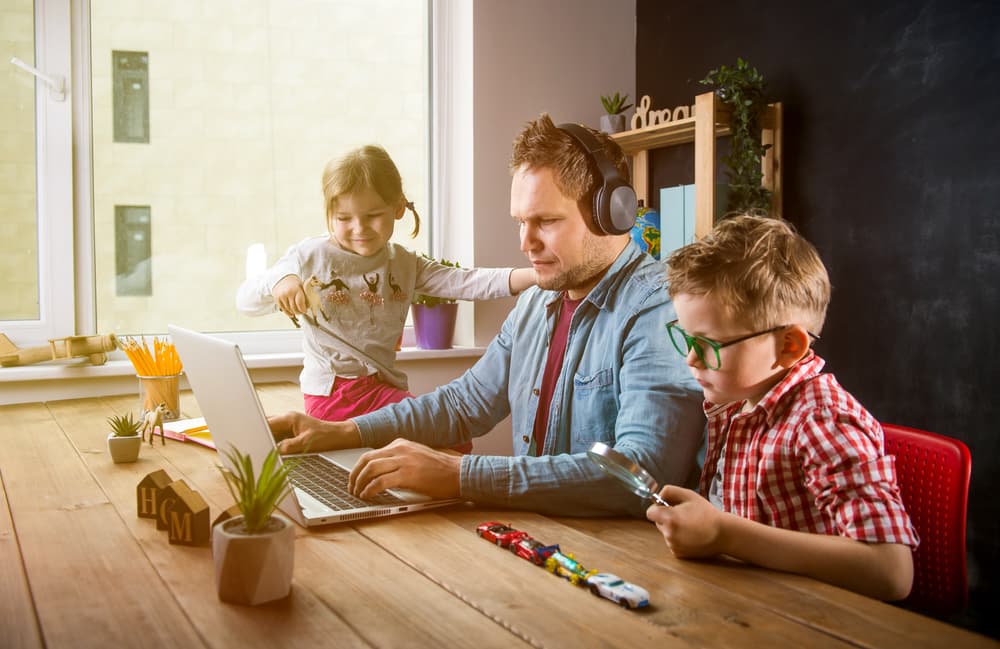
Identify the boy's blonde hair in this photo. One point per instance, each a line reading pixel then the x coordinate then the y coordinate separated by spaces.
pixel 367 167
pixel 760 268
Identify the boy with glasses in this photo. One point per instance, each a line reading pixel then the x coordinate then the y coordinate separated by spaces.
pixel 795 473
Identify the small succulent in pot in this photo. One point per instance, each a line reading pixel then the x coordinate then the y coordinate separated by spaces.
pixel 615 104
pixel 124 425
pixel 124 440
pixel 254 553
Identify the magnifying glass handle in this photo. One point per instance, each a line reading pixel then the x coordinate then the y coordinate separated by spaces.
pixel 659 501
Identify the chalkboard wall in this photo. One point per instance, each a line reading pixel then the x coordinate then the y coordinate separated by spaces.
pixel 892 169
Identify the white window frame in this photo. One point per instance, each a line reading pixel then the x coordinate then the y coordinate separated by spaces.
pixel 64 168
pixel 65 209
pixel 54 182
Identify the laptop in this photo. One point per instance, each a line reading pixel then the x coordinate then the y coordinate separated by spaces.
pixel 232 410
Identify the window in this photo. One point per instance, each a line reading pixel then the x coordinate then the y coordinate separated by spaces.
pixel 18 220
pixel 36 165
pixel 215 119
pixel 221 122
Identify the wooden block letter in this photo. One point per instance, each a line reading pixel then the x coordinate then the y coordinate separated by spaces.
pixel 148 491
pixel 187 515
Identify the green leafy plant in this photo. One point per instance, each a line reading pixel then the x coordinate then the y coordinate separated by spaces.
pixel 257 498
pixel 741 87
pixel 433 300
pixel 124 425
pixel 615 104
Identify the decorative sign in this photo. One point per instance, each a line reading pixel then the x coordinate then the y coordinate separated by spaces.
pixel 644 117
pixel 177 508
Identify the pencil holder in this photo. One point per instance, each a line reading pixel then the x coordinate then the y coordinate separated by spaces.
pixel 154 390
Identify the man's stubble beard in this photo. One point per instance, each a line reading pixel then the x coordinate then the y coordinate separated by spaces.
pixel 583 274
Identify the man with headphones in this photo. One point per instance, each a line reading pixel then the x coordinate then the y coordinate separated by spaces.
pixel 584 357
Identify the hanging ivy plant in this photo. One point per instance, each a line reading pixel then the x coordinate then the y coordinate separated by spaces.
pixel 741 87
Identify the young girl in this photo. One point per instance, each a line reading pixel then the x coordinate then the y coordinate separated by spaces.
pixel 352 288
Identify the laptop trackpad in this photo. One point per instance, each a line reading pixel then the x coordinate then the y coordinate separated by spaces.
pixel 348 457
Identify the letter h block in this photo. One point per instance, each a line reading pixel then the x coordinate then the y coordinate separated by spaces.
pixel 149 492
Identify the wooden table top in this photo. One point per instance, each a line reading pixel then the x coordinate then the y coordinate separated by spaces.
pixel 78 568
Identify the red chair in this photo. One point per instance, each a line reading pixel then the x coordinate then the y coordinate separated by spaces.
pixel 933 474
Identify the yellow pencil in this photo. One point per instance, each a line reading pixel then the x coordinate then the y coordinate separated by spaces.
pixel 161 361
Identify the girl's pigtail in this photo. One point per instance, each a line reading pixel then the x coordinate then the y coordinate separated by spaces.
pixel 416 219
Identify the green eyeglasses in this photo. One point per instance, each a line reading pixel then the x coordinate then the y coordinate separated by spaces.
pixel 684 343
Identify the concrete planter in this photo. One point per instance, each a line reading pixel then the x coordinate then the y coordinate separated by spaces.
pixel 613 123
pixel 253 569
pixel 124 449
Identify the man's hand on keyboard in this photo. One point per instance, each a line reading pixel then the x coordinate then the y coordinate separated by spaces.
pixel 297 432
pixel 408 465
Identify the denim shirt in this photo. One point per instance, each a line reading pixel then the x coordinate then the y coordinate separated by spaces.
pixel 622 384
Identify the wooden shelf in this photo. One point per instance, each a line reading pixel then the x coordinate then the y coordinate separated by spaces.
pixel 660 135
pixel 710 120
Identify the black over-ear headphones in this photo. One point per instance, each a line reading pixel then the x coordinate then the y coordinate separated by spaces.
pixel 615 204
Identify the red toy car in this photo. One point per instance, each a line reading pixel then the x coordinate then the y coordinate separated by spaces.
pixel 502 535
pixel 533 550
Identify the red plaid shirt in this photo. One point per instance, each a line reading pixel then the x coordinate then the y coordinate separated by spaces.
pixel 808 457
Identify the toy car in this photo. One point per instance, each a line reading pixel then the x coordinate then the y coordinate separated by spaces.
pixel 567 567
pixel 502 535
pixel 625 594
pixel 533 550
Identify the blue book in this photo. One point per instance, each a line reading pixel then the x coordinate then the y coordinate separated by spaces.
pixel 674 228
pixel 688 214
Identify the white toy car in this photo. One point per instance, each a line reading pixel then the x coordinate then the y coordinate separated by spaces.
pixel 613 587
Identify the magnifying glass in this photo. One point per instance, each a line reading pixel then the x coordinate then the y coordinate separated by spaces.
pixel 635 478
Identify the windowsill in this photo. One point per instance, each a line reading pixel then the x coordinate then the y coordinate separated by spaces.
pixel 76 378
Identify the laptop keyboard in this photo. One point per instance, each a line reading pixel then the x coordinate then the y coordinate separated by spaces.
pixel 327 482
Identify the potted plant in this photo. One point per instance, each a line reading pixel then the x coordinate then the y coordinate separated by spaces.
pixel 434 317
pixel 254 553
pixel 614 107
pixel 124 440
pixel 741 88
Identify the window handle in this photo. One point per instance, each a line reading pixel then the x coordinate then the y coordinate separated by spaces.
pixel 56 84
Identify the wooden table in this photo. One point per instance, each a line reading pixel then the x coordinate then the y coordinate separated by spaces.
pixel 78 568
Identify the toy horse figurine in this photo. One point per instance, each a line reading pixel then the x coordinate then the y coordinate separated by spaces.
pixel 311 288
pixel 314 302
pixel 152 420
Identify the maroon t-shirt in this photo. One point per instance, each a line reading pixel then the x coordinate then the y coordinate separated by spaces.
pixel 553 367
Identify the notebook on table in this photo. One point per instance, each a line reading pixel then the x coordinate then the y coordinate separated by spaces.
pixel 233 413
pixel 189 430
